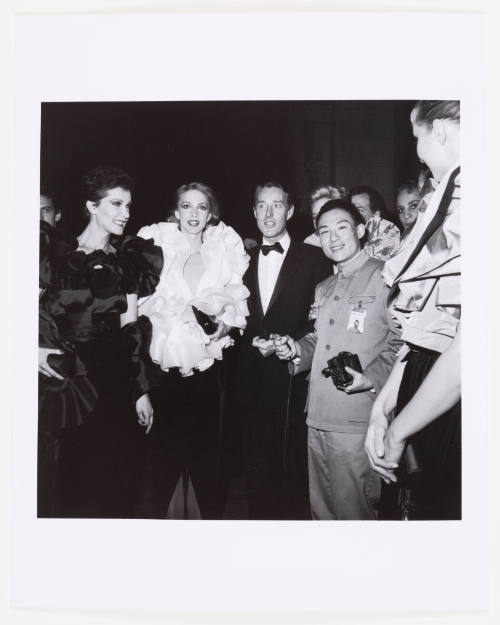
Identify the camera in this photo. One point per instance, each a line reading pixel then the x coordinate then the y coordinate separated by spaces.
pixel 336 368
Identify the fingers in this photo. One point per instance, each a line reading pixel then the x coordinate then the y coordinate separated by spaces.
pixel 148 429
pixel 48 372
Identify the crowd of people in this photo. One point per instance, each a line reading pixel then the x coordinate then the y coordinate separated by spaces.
pixel 337 357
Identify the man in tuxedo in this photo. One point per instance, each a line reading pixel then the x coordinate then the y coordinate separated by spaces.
pixel 281 277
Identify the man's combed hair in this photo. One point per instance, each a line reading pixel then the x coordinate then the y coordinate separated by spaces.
pixel 270 185
pixel 376 200
pixel 427 111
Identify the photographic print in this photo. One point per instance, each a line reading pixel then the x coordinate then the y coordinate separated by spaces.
pixel 249 317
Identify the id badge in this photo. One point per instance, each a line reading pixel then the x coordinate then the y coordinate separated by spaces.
pixel 356 323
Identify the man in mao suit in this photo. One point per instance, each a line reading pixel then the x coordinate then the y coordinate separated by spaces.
pixel 352 315
pixel 281 277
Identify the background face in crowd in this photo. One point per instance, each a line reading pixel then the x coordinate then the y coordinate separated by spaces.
pixel 193 212
pixel 112 211
pixel 48 212
pixel 271 212
pixel 316 206
pixel 406 205
pixel 362 204
pixel 339 235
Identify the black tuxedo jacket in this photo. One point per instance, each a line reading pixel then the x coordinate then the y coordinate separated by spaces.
pixel 265 381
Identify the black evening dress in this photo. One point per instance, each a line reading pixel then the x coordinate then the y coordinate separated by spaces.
pixel 90 445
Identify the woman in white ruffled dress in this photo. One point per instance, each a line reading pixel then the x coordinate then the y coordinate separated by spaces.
pixel 204 263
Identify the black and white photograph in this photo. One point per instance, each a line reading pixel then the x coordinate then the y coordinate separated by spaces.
pixel 252 386
pixel 239 303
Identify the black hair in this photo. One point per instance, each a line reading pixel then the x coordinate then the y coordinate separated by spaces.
pixel 376 200
pixel 344 205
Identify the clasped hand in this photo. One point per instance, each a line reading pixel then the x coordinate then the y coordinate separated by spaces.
pixel 144 411
pixel 383 448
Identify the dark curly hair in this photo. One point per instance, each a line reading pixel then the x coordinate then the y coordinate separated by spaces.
pixel 208 192
pixel 98 181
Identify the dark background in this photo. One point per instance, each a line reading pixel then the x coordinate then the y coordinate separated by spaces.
pixel 231 146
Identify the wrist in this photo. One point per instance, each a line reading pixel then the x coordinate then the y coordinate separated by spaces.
pixel 394 434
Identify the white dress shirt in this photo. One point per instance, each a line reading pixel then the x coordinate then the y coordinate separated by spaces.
pixel 269 268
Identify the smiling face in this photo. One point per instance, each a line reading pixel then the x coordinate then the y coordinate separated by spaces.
pixel 407 205
pixel 272 212
pixel 339 235
pixel 111 212
pixel 193 212
pixel 362 204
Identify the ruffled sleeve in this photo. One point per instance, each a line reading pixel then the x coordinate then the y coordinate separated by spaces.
pixel 141 262
pixel 227 301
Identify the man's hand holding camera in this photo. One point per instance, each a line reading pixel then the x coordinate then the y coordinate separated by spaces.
pixel 359 384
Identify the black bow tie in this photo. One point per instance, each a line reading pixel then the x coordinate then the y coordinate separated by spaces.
pixel 265 249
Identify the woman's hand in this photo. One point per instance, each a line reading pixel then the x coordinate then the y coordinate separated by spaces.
pixel 375 444
pixel 43 366
pixel 394 446
pixel 144 411
pixel 359 382
pixel 222 330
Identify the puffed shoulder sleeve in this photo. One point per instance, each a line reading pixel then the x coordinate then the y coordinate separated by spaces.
pixel 235 251
pixel 141 262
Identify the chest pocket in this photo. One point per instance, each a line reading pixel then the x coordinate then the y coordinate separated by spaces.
pixel 364 306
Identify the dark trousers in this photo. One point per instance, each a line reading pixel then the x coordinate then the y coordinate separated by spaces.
pixel 436 491
pixel 274 441
pixel 186 437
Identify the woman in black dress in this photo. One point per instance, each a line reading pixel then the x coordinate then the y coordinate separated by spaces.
pixel 94 364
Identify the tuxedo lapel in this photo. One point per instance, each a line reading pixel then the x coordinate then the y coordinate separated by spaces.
pixel 253 283
pixel 287 271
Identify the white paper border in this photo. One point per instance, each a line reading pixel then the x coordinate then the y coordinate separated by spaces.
pixel 312 578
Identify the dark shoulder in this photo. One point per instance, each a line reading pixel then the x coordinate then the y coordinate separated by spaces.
pixel 141 262
pixel 310 253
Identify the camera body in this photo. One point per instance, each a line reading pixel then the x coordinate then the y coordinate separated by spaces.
pixel 336 368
